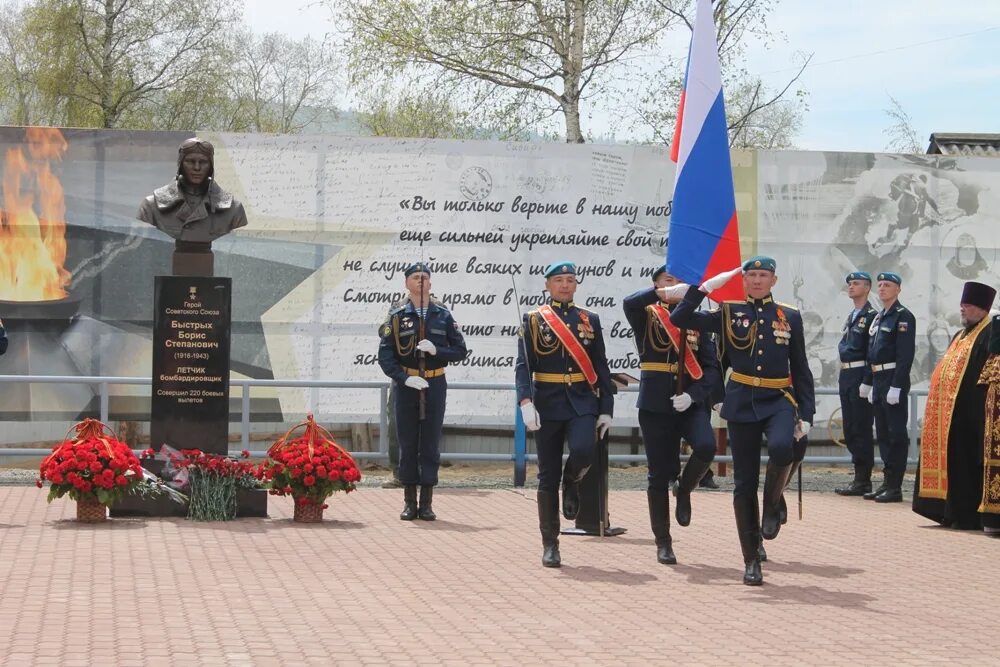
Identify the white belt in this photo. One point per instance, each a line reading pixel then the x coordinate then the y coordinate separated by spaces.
pixel 844 365
pixel 884 367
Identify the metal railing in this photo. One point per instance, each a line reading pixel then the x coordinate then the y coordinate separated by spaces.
pixel 519 456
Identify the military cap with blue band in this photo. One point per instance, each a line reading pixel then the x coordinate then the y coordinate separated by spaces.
pixel 891 277
pixel 560 269
pixel 760 263
pixel 859 275
pixel 415 268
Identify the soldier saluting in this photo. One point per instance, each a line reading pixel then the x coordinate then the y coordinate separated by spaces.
pixel 770 393
pixel 418 340
pixel 671 406
pixel 565 393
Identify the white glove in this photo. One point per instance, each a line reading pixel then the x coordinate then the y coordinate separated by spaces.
pixel 715 282
pixel 802 429
pixel 673 292
pixel 603 424
pixel 871 397
pixel 892 398
pixel 864 390
pixel 681 402
pixel 717 407
pixel 530 415
pixel 427 346
pixel 416 382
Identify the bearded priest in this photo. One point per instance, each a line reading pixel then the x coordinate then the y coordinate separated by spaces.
pixel 949 487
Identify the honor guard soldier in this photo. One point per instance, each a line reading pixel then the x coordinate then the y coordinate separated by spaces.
pixel 565 393
pixel 671 406
pixel 855 409
pixel 3 338
pixel 418 340
pixel 891 347
pixel 770 393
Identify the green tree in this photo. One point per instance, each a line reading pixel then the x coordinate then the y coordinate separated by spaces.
pixel 511 64
pixel 757 116
pixel 902 136
pixel 279 84
pixel 102 62
pixel 413 113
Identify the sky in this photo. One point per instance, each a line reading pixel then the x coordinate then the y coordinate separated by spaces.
pixel 939 59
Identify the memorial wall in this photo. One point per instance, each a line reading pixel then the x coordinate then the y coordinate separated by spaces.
pixel 333 221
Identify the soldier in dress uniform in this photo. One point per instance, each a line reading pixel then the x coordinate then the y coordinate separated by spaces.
pixel 770 393
pixel 886 385
pixel 565 393
pixel 418 340
pixel 668 411
pixel 3 338
pixel 855 409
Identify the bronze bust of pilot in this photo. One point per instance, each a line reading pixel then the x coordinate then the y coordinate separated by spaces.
pixel 193 209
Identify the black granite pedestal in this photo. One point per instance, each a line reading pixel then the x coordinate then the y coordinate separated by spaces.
pixel 189 406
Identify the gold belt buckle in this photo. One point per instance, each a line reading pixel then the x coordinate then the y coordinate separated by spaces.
pixel 756 382
pixel 567 379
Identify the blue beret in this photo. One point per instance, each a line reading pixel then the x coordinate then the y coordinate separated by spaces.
pixel 859 275
pixel 560 269
pixel 658 270
pixel 417 267
pixel 760 262
pixel 891 277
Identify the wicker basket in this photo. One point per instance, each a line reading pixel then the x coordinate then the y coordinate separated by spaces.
pixel 310 513
pixel 91 510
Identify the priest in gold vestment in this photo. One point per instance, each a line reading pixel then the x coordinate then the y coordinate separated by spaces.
pixel 949 487
pixel 990 378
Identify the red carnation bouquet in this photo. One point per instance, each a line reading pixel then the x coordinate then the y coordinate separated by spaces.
pixel 310 467
pixel 211 481
pixel 92 467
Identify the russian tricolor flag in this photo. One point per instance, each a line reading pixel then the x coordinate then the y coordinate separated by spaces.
pixel 704 232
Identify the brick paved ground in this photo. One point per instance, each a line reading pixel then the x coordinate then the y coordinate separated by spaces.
pixel 852 583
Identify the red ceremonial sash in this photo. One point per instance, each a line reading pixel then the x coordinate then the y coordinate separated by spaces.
pixel 674 333
pixel 570 342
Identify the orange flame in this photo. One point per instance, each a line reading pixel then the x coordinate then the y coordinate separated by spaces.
pixel 33 239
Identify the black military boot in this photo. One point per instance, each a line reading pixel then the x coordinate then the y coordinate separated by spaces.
pixel 748 527
pixel 708 481
pixel 409 512
pixel 425 511
pixel 870 495
pixel 693 472
pixel 861 485
pixel 548 524
pixel 761 554
pixel 774 485
pixel 571 491
pixel 893 492
pixel 659 521
pixel 782 505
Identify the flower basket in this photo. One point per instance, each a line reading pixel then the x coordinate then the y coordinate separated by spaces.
pixel 91 510
pixel 310 468
pixel 94 469
pixel 308 513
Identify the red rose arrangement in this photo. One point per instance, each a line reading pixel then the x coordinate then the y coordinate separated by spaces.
pixel 310 467
pixel 91 467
